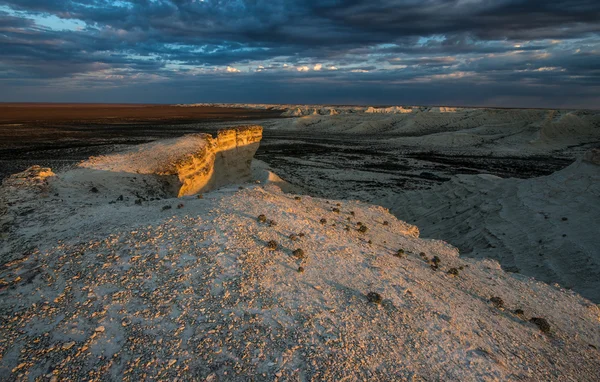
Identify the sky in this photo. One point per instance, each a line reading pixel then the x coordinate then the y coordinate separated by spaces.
pixel 508 53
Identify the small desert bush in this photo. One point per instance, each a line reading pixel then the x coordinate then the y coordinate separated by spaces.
pixel 498 302
pixel 299 253
pixel 374 297
pixel 541 323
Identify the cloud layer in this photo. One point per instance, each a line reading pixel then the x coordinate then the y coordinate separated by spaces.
pixel 459 52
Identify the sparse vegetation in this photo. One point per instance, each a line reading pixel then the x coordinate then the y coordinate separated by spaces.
pixel 301 234
pixel 272 244
pixel 299 253
pixel 498 302
pixel 180 205
pixel 297 198
pixel 386 222
pixel 138 202
pixel 262 218
pixel 166 208
pixel 200 196
pixel 323 221
pixel 519 312
pixel 363 229
pixel 347 228
pixel 272 223
pixel 453 271
pixel 352 213
pixel 541 323
pixel 436 261
pixel 120 198
pixel 300 269
pixel 293 237
pixel 399 253
pixel 374 297
pixel 94 190
pixel 336 210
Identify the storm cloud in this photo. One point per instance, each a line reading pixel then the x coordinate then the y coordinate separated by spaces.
pixel 456 52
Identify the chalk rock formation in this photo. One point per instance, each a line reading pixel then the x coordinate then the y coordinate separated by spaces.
pixel 191 164
pixel 196 293
pixel 546 227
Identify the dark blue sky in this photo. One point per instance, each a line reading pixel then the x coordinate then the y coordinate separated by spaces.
pixel 455 52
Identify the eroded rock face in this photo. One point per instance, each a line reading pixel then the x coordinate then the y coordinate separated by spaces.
pixel 187 165
pixel 227 159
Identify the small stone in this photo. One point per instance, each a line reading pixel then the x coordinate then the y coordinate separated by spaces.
pixel 200 196
pixel 519 312
pixel 336 210
pixel 300 269
pixel 94 190
pixel 386 223
pixel 99 329
pixel 166 208
pixel 297 198
pixel 172 362
pixel 262 218
pixel 453 271
pixel 272 244
pixel 180 205
pixel 362 229
pixel 400 253
pixel 323 221
pixel 68 345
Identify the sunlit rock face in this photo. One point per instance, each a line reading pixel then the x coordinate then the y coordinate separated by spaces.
pixel 187 165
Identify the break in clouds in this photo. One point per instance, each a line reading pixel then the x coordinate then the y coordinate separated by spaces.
pixel 460 52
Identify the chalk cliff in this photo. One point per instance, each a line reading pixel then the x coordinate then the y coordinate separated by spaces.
pixel 190 164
